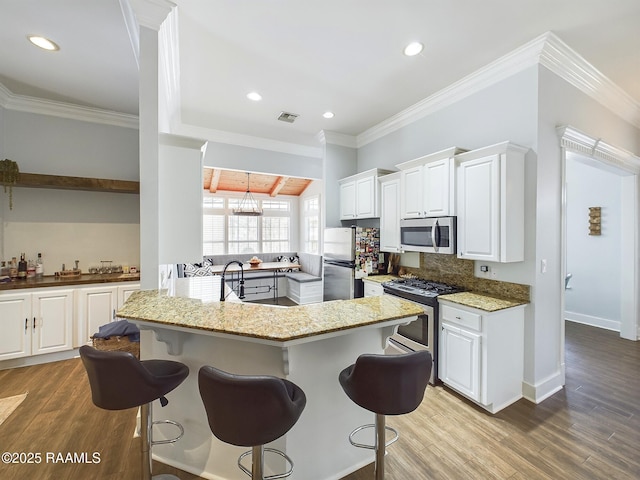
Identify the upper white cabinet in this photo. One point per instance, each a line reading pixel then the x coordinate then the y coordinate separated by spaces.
pixel 390 213
pixel 359 196
pixel 428 185
pixel 490 205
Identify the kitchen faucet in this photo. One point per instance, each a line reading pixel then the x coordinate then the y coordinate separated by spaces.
pixel 241 296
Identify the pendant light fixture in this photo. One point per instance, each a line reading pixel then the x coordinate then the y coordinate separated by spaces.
pixel 248 205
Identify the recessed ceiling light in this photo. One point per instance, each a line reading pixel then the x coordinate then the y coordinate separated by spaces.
pixel 43 43
pixel 413 49
pixel 328 115
pixel 255 96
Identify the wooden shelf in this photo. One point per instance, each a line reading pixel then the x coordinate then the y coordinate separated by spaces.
pixel 35 180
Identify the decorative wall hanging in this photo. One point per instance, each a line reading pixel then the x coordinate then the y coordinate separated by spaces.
pixel 9 176
pixel 595 216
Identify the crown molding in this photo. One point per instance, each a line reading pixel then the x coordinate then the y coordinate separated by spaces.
pixel 569 65
pixel 548 50
pixel 249 141
pixel 336 138
pixel 23 103
pixel 151 13
pixel 577 141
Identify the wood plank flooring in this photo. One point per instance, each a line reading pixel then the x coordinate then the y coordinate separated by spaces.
pixel 589 430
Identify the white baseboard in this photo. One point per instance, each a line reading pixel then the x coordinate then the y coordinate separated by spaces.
pixel 593 321
pixel 543 390
pixel 38 359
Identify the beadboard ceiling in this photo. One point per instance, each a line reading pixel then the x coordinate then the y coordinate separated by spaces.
pixel 303 57
pixel 217 180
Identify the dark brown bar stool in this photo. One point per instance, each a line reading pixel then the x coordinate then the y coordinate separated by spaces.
pixel 119 381
pixel 251 411
pixel 386 385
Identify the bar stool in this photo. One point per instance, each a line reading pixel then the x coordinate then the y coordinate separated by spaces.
pixel 386 385
pixel 119 381
pixel 251 411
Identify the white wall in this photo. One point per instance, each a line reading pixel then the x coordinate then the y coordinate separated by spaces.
pixel 594 260
pixel 236 157
pixel 339 162
pixel 69 225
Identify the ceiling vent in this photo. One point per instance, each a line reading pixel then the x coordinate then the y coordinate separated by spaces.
pixel 287 117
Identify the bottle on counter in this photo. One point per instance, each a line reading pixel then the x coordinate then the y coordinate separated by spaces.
pixel 13 268
pixel 39 266
pixel 4 269
pixel 22 268
pixel 31 269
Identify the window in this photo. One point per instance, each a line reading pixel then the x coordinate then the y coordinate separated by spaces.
pixel 311 224
pixel 225 233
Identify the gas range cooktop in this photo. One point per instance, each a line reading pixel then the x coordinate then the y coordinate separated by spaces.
pixel 417 289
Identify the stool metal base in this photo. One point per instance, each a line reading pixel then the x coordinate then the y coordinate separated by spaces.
pixel 380 445
pixel 146 437
pixel 257 463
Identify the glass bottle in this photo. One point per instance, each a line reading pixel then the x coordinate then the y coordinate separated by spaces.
pixel 13 269
pixel 39 266
pixel 22 267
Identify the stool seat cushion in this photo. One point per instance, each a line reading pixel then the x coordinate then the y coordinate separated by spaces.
pixel 388 384
pixel 119 380
pixel 249 410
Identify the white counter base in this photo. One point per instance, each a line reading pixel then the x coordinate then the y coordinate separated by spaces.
pixel 318 443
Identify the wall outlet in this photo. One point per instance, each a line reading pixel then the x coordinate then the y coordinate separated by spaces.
pixel 494 273
pixel 484 268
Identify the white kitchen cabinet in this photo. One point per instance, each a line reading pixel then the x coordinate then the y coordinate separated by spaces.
pixel 124 291
pixel 53 316
pixel 490 185
pixel 95 306
pixel 348 200
pixel 16 324
pixel 372 289
pixel 359 195
pixel 428 185
pixel 390 213
pixel 36 323
pixel 481 354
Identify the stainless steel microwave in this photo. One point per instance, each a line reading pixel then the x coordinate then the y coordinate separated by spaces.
pixel 431 235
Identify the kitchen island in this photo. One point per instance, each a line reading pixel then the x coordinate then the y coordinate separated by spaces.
pixel 308 345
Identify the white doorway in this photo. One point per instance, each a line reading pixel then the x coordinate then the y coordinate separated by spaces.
pixel 605 266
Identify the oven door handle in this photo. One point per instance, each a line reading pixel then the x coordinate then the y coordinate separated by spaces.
pixel 435 235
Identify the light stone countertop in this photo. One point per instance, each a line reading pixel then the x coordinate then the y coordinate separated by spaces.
pixel 480 301
pixel 379 278
pixel 194 303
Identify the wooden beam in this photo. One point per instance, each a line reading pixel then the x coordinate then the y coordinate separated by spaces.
pixel 215 179
pixel 36 180
pixel 206 178
pixel 277 186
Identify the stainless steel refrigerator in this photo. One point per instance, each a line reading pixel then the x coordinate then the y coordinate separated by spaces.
pixel 349 254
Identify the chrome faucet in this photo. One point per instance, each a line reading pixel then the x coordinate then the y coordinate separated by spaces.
pixel 224 270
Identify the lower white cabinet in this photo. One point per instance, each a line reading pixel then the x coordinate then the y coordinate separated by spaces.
pixel 35 323
pixel 97 306
pixel 372 289
pixel 481 354
pixel 48 320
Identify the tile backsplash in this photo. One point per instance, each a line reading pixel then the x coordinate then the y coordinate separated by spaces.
pixel 455 271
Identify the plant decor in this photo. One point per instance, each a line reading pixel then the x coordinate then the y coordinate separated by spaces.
pixel 9 175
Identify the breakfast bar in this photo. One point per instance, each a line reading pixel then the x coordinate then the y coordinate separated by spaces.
pixel 308 345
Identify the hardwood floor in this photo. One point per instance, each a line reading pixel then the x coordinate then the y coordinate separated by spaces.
pixel 589 430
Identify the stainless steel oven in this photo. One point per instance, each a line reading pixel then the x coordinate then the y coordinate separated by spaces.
pixel 417 335
pixel 422 333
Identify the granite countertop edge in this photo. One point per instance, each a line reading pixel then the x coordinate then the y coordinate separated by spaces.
pixel 264 322
pixel 54 281
pixel 482 301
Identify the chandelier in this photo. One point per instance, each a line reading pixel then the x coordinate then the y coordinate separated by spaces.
pixel 248 205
